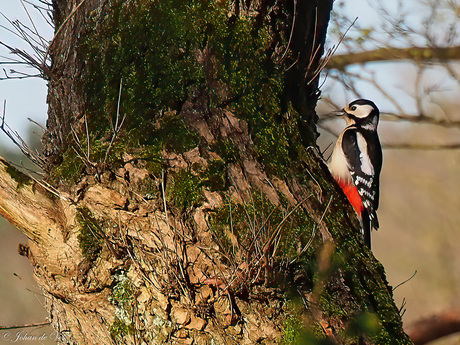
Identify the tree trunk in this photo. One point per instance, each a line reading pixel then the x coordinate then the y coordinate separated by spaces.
pixel 185 201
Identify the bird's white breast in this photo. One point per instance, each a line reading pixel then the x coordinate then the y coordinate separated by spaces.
pixel 338 165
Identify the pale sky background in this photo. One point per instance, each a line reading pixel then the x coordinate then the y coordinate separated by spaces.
pixel 25 98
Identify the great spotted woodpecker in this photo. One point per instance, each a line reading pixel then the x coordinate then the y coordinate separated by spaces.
pixel 357 160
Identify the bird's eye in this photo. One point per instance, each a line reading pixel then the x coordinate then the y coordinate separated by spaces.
pixel 353 108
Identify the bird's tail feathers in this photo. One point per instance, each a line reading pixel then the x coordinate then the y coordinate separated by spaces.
pixel 374 221
pixel 366 225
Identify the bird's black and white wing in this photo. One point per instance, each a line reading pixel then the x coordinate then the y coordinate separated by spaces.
pixel 364 170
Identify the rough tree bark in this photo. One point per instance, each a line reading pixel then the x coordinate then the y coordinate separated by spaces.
pixel 184 200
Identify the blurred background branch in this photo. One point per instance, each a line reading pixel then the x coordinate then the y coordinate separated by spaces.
pixel 434 327
pixel 417 54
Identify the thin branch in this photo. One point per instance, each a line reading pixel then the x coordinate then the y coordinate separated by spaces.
pixel 374 83
pixel 38 324
pixel 292 30
pixel 426 147
pixel 405 281
pixel 118 124
pixel 330 53
pixel 313 54
pixel 428 54
pixel 37 57
pixel 36 123
pixel 434 327
pixel 312 236
pixel 392 117
pixel 33 155
pixel 37 6
pixel 33 24
pixel 164 196
pixel 60 29
pixel 420 119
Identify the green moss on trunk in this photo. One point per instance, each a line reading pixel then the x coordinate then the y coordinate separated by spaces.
pixel 20 178
pixel 185 59
pixel 90 237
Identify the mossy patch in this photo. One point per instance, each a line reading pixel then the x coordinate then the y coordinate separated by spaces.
pixel 185 189
pixel 366 323
pixel 152 156
pixel 172 134
pixel 151 46
pixel 89 238
pixel 69 170
pixel 119 329
pixel 215 176
pixel 293 325
pixel 259 223
pixel 123 299
pixel 226 149
pixel 17 175
pixel 299 329
pixel 162 52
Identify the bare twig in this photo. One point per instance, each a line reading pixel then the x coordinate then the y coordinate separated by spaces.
pixel 280 225
pixel 393 117
pixel 37 58
pixel 33 24
pixel 64 23
pixel 33 155
pixel 27 325
pixel 426 147
pixel 304 249
pixel 313 51
pixel 164 196
pixel 118 124
pixel 420 118
pixel 404 282
pixel 292 30
pixel 329 54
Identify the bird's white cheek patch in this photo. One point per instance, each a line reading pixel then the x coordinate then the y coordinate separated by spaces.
pixel 366 165
pixel 362 110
